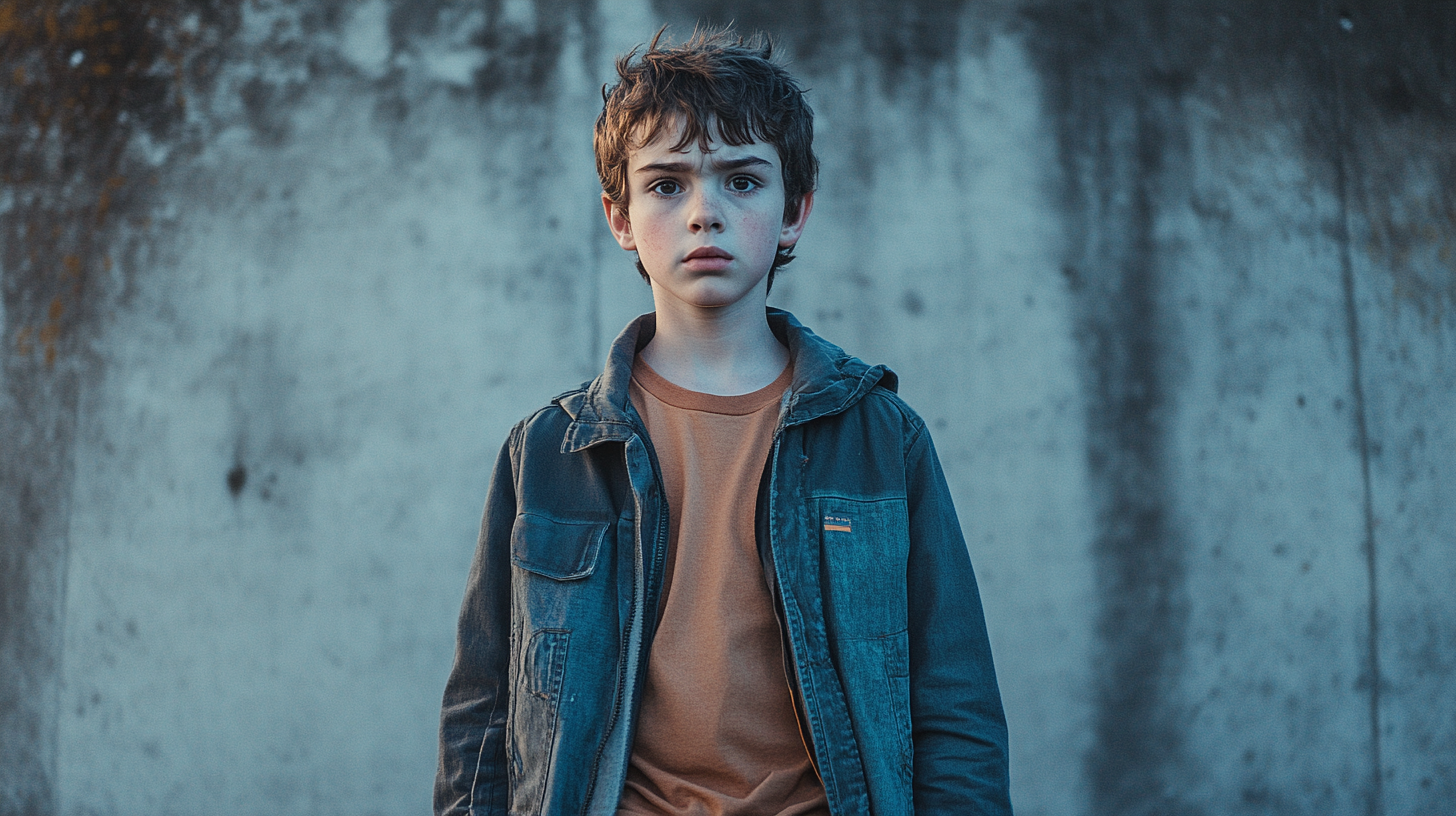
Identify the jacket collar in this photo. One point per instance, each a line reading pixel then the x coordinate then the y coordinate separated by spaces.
pixel 826 381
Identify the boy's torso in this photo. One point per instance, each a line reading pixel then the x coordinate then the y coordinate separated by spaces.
pixel 590 542
pixel 716 728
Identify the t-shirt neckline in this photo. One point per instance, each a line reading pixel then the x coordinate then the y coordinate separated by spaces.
pixel 732 405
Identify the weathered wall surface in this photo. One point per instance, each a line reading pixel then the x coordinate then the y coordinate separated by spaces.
pixel 1173 283
pixel 1263 250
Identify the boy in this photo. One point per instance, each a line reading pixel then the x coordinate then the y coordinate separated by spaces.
pixel 725 576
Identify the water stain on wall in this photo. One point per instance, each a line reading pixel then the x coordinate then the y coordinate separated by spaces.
pixel 907 39
pixel 1368 89
pixel 521 54
pixel 1115 77
pixel 82 81
pixel 1399 69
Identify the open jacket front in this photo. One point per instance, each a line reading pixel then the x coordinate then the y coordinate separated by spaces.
pixel 884 637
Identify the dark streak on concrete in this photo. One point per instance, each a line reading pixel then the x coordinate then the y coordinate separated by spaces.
pixel 1372 89
pixel 521 60
pixel 1339 141
pixel 263 105
pixel 237 479
pixel 1115 73
pixel 1397 66
pixel 1393 144
pixel 907 39
pixel 419 18
pixel 80 80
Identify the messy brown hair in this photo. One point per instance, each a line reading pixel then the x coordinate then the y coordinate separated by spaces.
pixel 720 85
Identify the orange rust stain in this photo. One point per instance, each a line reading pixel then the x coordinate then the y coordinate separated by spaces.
pixel 23 343
pixel 103 201
pixel 48 334
pixel 51 331
pixel 120 43
pixel 85 25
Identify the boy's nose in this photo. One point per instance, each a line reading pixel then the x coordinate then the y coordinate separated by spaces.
pixel 705 214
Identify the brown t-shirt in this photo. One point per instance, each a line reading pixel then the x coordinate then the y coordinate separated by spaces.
pixel 716 733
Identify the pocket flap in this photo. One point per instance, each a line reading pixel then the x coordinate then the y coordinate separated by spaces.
pixel 563 550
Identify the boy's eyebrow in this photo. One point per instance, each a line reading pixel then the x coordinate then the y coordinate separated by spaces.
pixel 720 165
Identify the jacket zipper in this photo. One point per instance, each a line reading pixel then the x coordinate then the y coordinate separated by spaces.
pixel 639 590
pixel 786 645
pixel 799 719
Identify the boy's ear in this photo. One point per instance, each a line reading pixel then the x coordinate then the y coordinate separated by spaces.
pixel 621 227
pixel 789 235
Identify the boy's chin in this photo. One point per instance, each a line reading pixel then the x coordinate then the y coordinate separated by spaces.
pixel 709 293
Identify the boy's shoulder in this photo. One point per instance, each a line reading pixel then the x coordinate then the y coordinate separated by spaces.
pixel 885 398
pixel 570 421
pixel 561 410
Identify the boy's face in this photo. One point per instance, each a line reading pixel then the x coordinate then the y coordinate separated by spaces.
pixel 705 224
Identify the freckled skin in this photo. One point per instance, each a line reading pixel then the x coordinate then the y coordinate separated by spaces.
pixel 729 197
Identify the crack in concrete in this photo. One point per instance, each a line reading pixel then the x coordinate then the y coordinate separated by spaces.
pixel 1375 801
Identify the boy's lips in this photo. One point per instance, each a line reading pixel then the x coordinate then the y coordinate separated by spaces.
pixel 708 252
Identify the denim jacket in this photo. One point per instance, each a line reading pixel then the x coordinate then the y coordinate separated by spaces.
pixel 885 643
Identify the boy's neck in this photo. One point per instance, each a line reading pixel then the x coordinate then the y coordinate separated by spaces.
pixel 726 350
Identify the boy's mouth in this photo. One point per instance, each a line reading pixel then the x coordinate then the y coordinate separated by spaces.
pixel 709 252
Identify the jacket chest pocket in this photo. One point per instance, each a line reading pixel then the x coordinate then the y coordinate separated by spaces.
pixel 864 546
pixel 554 548
pixel 554 561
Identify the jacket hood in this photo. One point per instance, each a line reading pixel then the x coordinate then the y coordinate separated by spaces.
pixel 826 381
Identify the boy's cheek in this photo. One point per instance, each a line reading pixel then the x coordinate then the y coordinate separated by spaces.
pixel 762 233
pixel 650 240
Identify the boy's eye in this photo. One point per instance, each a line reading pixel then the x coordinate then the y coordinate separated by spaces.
pixel 667 187
pixel 742 184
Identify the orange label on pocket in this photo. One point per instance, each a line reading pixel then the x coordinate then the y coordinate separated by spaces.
pixel 838 524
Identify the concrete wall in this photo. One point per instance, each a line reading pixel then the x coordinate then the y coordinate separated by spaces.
pixel 1173 283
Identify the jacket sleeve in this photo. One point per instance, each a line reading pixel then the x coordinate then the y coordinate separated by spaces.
pixel 472 772
pixel 957 724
